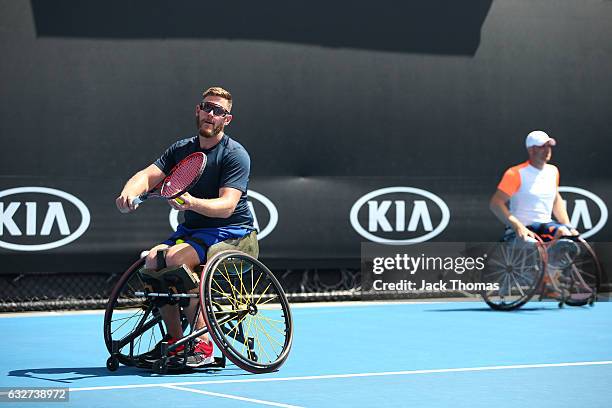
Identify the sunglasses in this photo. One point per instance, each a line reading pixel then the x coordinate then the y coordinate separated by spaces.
pixel 215 109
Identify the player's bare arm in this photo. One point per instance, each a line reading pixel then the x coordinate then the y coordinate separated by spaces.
pixel 221 207
pixel 560 213
pixel 499 207
pixel 138 184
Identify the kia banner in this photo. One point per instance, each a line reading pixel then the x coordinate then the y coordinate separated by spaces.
pixel 396 135
pixel 316 222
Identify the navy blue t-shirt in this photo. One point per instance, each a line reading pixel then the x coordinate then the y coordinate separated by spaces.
pixel 228 165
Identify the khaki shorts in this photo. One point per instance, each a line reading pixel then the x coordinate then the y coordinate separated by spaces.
pixel 247 244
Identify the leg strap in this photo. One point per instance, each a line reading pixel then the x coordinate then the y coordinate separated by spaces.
pixel 161 259
pixel 181 277
pixel 178 279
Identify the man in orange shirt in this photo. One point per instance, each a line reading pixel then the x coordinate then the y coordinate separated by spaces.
pixel 532 191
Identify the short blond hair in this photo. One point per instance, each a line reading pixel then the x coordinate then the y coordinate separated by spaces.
pixel 220 92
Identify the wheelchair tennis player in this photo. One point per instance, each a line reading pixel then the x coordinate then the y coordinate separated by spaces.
pixel 216 211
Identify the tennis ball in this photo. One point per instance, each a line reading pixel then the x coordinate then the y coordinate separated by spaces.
pixel 180 201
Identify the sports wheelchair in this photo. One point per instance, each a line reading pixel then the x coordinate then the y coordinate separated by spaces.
pixel 565 269
pixel 244 307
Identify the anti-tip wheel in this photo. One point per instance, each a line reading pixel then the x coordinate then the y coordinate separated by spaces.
pixel 112 364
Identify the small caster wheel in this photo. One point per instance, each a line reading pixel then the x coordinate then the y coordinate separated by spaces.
pixel 560 305
pixel 159 367
pixel 112 364
pixel 592 303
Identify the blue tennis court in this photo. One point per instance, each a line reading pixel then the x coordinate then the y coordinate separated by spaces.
pixel 352 354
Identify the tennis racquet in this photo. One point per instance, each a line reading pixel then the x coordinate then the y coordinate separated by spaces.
pixel 181 178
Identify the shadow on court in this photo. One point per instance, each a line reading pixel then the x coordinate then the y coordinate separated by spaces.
pixel 72 374
pixel 488 309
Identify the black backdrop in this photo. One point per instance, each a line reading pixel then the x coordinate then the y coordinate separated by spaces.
pixel 332 100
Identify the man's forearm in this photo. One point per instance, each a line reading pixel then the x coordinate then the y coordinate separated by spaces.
pixel 560 213
pixel 505 216
pixel 138 184
pixel 214 207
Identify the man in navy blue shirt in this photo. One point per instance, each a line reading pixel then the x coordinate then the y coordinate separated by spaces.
pixel 215 208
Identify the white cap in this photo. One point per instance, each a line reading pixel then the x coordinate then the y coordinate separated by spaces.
pixel 538 138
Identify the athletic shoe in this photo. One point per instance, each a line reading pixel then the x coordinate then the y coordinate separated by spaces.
pixel 155 354
pixel 550 292
pixel 552 288
pixel 176 350
pixel 201 355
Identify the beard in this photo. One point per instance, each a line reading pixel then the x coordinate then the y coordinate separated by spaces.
pixel 208 132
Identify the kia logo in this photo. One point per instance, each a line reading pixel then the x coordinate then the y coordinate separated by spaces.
pixel 29 216
pixel 407 216
pixel 263 210
pixel 587 212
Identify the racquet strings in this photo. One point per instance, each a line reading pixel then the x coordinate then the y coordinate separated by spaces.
pixel 183 176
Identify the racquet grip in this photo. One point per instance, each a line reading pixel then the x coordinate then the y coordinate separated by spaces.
pixel 140 199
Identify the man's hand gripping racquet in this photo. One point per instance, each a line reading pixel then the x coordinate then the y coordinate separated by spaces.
pixel 181 178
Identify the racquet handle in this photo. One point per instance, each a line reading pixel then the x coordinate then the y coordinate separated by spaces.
pixel 140 199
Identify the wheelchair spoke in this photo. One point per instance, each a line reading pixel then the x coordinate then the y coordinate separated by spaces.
pixel 582 262
pixel 518 285
pixel 525 281
pixel 232 283
pixel 261 348
pixel 239 273
pixel 235 328
pixel 516 267
pixel 265 333
pixel 252 280
pixel 228 280
pixel 269 300
pixel 258 338
pixel 255 285
pixel 248 332
pixel 127 320
pixel 152 340
pixel 582 273
pixel 137 286
pixel 527 277
pixel 514 255
pixel 261 296
pixel 507 285
pixel 141 328
pixel 577 277
pixel 261 323
pixel 496 262
pixel 504 253
pixel 272 324
pixel 224 294
pixel 491 276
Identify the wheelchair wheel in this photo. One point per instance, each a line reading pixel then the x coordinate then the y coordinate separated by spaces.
pixel 246 312
pixel 133 326
pixel 580 271
pixel 516 269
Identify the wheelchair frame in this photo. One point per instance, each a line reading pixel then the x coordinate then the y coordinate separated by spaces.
pixel 226 305
pixel 544 278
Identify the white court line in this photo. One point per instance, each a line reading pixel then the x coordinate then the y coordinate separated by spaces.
pixel 236 397
pixel 305 305
pixel 355 375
